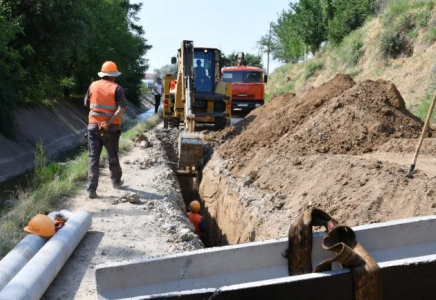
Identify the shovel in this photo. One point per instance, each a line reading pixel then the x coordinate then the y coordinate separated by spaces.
pixel 421 138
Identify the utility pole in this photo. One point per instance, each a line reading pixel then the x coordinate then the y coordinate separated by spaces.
pixel 268 50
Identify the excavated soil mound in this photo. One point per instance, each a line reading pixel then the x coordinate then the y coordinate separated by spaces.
pixel 340 147
pixel 428 146
pixel 339 117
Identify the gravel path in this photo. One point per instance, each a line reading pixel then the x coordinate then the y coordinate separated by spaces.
pixel 121 230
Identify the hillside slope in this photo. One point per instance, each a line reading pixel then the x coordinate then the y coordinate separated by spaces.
pixel 409 27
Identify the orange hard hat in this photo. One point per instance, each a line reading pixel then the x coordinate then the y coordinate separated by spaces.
pixel 195 206
pixel 109 68
pixel 41 225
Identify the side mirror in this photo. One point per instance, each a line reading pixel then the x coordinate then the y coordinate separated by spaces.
pixel 173 60
pixel 265 78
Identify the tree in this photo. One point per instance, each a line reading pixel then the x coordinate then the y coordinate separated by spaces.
pixel 114 36
pixel 49 47
pixel 309 21
pixel 53 33
pixel 10 69
pixel 287 45
pixel 344 16
pixel 164 70
pixel 250 60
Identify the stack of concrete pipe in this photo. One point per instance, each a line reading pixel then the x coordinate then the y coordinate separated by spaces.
pixel 28 270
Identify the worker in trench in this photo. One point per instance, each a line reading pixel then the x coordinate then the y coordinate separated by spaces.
pixel 107 103
pixel 196 219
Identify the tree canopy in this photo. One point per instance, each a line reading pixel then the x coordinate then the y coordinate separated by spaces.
pixel 54 48
pixel 307 24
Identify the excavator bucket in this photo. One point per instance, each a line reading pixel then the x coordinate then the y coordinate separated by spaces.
pixel 190 154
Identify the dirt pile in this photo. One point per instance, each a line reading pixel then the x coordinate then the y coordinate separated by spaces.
pixel 325 148
pixel 339 117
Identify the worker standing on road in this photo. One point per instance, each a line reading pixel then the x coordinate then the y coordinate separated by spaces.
pixel 157 90
pixel 196 219
pixel 107 103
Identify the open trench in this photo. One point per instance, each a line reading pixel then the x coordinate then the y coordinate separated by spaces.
pixel 227 219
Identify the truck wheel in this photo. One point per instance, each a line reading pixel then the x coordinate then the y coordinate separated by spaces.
pixel 166 123
pixel 220 123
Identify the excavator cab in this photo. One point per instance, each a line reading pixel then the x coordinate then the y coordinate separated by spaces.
pixel 203 71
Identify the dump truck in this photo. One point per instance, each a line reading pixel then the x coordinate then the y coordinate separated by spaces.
pixel 197 96
pixel 248 85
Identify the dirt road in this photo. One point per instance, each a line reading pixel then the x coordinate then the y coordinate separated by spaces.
pixel 123 231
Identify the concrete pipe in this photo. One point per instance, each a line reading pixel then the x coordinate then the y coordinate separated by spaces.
pixel 18 257
pixel 36 276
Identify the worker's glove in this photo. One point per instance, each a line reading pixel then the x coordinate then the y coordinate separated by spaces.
pixel 103 128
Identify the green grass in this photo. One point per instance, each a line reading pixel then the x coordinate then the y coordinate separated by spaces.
pixel 422 109
pixel 430 35
pixel 351 49
pixel 286 87
pixel 312 67
pixel 52 183
pixel 402 22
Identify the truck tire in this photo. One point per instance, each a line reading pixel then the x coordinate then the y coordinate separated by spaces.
pixel 166 123
pixel 220 123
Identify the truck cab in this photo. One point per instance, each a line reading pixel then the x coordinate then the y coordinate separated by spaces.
pixel 248 87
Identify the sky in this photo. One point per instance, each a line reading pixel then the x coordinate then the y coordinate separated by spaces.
pixel 229 25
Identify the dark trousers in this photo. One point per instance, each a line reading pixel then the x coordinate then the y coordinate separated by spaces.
pixel 156 103
pixel 95 144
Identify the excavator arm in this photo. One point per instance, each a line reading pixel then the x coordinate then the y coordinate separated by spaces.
pixel 186 63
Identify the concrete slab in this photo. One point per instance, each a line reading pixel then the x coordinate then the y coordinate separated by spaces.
pixel 258 270
pixel 60 128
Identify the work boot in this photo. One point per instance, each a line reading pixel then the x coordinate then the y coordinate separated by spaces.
pixel 117 184
pixel 92 194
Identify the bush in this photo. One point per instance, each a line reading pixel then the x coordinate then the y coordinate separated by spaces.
pixel 401 22
pixel 348 16
pixel 422 110
pixel 394 44
pixel 312 67
pixel 422 18
pixel 351 49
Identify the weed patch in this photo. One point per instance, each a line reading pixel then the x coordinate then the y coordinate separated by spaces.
pixel 312 67
pixel 421 110
pixel 430 36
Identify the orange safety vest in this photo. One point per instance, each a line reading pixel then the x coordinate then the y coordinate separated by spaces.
pixel 102 101
pixel 195 220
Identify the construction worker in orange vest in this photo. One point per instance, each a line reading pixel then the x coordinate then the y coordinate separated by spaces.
pixel 196 219
pixel 107 103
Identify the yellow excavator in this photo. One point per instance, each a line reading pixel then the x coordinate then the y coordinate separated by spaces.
pixel 196 96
